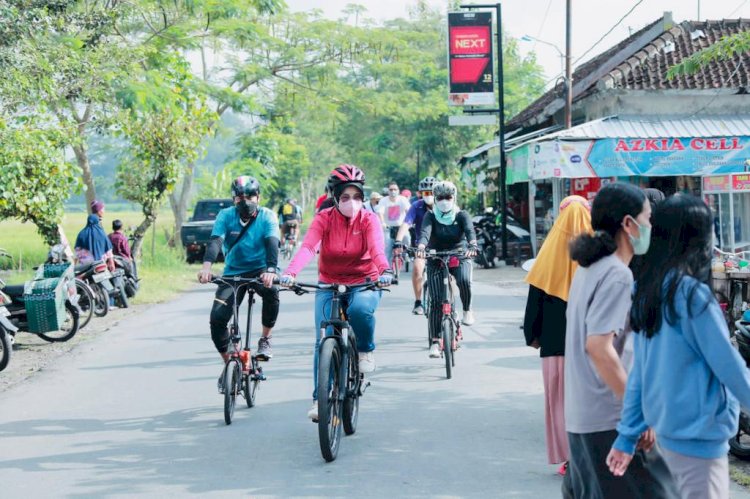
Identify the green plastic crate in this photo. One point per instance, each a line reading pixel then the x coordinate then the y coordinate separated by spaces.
pixel 44 300
pixel 49 270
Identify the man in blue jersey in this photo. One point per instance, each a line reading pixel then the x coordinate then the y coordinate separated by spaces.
pixel 414 218
pixel 249 237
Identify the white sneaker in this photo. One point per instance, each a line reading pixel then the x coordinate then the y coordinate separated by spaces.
pixel 435 350
pixel 366 362
pixel 313 412
pixel 468 318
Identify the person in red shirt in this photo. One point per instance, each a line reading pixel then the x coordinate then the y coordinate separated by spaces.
pixel 119 240
pixel 350 240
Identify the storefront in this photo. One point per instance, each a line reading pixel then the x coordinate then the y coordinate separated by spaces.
pixel 728 196
pixel 671 155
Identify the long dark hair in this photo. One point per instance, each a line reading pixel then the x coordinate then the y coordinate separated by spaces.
pixel 680 246
pixel 613 203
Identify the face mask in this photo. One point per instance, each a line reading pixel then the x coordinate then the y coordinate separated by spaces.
pixel 350 208
pixel 393 194
pixel 246 208
pixel 429 200
pixel 445 205
pixel 445 213
pixel 643 241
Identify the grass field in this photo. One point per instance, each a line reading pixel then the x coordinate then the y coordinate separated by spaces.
pixel 163 272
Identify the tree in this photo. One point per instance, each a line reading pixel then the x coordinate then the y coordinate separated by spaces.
pixel 160 142
pixel 60 57
pixel 35 179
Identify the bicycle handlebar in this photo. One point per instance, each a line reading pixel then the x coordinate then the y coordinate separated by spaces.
pixel 304 287
pixel 237 280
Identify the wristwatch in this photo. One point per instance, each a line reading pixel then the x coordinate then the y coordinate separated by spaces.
pixel 271 270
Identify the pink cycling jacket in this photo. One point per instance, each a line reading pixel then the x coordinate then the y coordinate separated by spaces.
pixel 351 250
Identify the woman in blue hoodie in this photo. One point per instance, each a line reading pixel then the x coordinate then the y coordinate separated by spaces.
pixel 686 377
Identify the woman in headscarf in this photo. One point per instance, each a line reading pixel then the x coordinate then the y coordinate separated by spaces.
pixel 92 243
pixel 544 324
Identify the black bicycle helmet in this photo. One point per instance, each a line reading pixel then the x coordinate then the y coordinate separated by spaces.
pixel 245 185
pixel 427 183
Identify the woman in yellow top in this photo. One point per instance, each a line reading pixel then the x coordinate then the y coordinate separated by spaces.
pixel 544 324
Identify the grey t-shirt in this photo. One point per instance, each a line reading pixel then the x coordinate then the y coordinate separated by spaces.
pixel 599 303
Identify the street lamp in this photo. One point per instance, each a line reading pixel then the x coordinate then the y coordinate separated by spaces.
pixel 529 38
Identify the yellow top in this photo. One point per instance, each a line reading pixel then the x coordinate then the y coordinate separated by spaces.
pixel 553 269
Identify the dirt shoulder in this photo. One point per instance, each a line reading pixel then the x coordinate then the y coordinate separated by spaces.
pixel 32 354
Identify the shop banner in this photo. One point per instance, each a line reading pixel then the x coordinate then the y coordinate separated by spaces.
pixel 741 182
pixel 669 156
pixel 470 59
pixel 557 159
pixel 718 183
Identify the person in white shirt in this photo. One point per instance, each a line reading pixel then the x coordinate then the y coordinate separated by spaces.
pixel 394 208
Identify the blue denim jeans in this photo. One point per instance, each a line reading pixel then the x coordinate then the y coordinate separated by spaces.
pixel 360 308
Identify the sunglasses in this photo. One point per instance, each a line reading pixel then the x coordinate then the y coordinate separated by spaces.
pixel 443 198
pixel 425 193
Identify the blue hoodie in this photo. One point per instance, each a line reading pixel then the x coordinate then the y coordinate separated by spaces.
pixel 686 381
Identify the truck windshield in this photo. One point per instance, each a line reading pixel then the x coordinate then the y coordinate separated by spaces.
pixel 207 210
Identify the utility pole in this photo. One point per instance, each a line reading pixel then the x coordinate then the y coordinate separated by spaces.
pixel 501 121
pixel 568 68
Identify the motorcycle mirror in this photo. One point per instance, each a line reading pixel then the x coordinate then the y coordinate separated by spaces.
pixel 528 264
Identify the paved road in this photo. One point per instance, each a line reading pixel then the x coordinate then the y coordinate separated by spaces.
pixel 135 412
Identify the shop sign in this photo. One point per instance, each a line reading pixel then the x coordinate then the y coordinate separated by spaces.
pixel 470 59
pixel 716 183
pixel 741 182
pixel 670 156
pixel 558 159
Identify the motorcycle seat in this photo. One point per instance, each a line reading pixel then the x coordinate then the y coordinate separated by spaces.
pixel 14 291
pixel 81 268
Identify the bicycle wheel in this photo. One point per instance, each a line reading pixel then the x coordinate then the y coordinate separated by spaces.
pixel 85 302
pixel 396 268
pixel 68 329
pixel 5 349
pixel 251 387
pixel 232 373
pixel 101 301
pixel 329 408
pixel 351 402
pixel 447 337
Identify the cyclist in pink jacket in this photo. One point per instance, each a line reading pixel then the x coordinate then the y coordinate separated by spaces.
pixel 350 241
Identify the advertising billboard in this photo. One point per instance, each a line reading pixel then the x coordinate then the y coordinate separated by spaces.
pixel 471 78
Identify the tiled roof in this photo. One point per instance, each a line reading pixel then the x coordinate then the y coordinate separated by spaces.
pixel 647 69
pixel 641 62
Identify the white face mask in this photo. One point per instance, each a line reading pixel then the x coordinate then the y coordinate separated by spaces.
pixel 445 205
pixel 429 200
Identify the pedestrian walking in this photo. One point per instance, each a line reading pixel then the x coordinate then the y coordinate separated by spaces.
pixel 595 370
pixel 544 323
pixel 686 374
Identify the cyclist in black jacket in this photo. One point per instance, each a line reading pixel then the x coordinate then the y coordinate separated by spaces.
pixel 447 228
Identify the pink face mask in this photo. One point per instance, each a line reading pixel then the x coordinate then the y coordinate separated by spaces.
pixel 350 208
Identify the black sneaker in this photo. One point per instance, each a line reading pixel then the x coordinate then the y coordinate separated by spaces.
pixel 418 308
pixel 264 349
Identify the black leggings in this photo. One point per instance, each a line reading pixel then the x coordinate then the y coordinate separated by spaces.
pixel 221 311
pixel 435 288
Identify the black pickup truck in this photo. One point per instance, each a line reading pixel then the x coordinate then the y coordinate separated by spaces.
pixel 196 232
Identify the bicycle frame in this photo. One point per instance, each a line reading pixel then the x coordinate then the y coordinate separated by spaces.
pixel 447 307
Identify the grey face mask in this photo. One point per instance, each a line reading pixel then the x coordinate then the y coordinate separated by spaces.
pixel 247 208
pixel 643 241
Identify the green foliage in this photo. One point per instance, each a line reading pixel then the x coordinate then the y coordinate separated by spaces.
pixel 726 48
pixel 35 179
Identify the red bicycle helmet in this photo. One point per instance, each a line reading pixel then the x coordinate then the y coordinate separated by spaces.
pixel 343 176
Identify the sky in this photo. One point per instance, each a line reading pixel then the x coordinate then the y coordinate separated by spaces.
pixel 545 20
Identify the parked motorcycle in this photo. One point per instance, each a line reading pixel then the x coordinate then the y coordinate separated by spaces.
pixel 130 279
pixel 19 318
pixel 739 445
pixel 486 241
pixel 104 284
pixel 7 331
